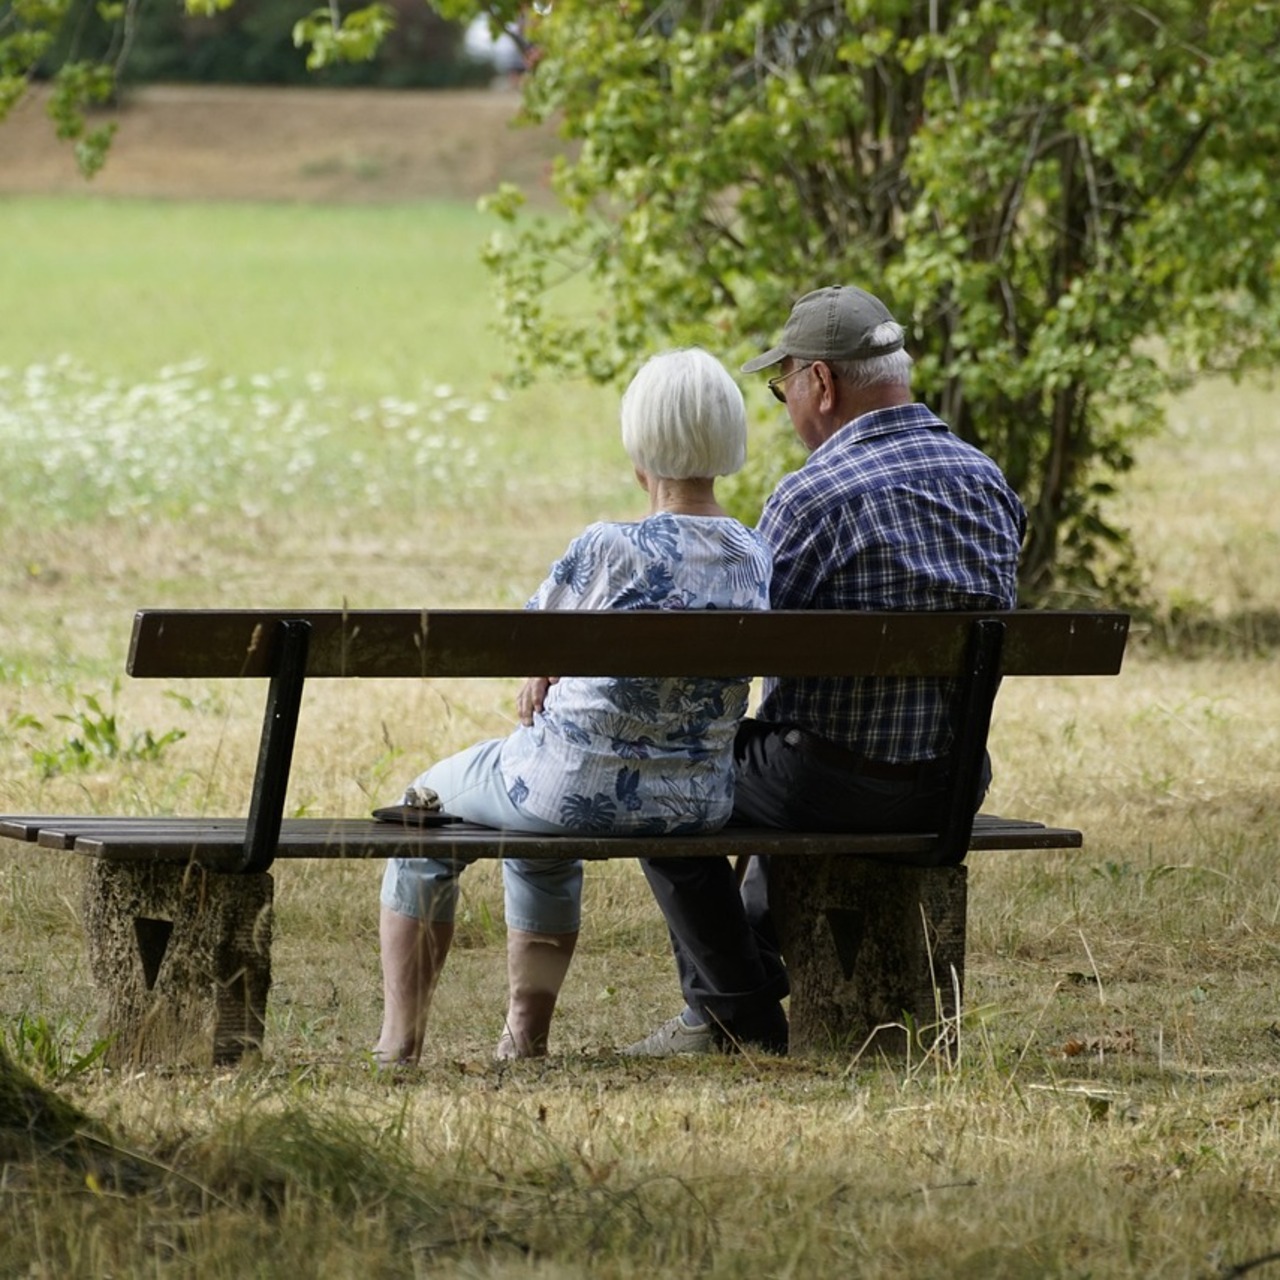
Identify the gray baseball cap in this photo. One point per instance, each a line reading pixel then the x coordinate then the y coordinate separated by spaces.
pixel 830 324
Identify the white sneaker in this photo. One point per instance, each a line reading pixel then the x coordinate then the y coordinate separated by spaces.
pixel 673 1038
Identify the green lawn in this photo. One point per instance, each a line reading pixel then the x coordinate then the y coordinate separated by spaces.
pixel 377 299
pixel 168 358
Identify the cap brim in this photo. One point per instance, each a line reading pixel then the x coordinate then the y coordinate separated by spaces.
pixel 776 356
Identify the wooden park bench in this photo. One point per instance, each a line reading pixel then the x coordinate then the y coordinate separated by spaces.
pixel 178 911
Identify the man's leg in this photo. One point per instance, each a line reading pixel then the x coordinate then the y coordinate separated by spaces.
pixel 726 980
pixel 730 975
pixel 763 786
pixel 786 778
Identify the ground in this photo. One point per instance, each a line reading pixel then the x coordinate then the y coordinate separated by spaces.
pixel 201 141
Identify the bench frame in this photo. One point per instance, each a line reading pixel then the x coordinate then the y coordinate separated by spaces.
pixel 178 911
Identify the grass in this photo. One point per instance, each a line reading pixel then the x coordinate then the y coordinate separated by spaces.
pixel 372 298
pixel 1113 1110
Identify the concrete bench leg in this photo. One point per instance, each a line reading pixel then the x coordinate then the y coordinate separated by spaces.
pixel 181 958
pixel 870 947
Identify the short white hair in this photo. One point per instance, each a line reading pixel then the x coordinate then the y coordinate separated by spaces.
pixel 893 369
pixel 683 417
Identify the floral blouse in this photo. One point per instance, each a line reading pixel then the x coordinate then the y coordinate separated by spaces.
pixel 635 755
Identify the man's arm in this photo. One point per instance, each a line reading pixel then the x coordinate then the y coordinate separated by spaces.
pixel 801 554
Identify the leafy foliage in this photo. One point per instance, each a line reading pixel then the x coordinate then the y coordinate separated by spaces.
pixel 49 1051
pixel 29 30
pixel 97 739
pixel 1066 209
pixel 355 38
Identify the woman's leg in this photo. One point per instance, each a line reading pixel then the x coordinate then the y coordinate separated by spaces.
pixel 536 968
pixel 415 926
pixel 413 954
pixel 543 897
pixel 543 903
pixel 543 910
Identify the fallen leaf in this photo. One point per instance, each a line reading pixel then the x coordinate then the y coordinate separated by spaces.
pixel 1116 1041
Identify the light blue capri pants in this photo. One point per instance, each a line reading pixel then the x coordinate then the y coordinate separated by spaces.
pixel 542 895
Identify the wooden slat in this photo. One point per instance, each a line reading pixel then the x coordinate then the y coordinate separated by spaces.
pixel 18 828
pixel 217 842
pixel 512 642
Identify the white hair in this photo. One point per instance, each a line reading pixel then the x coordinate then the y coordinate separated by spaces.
pixel 683 417
pixel 893 369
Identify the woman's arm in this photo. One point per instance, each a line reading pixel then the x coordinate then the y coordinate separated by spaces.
pixel 566 586
pixel 533 697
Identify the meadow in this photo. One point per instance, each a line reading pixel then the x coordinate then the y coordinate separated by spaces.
pixel 278 404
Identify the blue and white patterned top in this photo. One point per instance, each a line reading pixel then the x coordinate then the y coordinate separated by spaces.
pixel 633 755
pixel 892 512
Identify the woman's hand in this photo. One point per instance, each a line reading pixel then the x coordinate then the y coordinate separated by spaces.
pixel 532 697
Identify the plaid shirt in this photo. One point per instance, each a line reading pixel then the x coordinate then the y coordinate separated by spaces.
pixel 893 512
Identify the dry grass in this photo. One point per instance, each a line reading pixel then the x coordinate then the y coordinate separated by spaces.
pixel 1113 1110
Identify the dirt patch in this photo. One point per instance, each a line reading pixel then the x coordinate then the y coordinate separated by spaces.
pixel 344 145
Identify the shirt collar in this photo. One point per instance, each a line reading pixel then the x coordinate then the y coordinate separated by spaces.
pixel 883 422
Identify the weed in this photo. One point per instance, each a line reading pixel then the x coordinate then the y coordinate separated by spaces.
pixel 49 1050
pixel 98 739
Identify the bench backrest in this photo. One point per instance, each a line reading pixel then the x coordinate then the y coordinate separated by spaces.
pixel 976 649
pixel 518 642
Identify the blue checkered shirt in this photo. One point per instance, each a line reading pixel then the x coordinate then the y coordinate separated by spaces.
pixel 893 512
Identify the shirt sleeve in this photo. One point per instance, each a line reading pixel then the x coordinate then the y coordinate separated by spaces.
pixel 575 579
pixel 800 551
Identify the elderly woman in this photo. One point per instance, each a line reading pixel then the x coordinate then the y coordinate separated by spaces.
pixel 596 754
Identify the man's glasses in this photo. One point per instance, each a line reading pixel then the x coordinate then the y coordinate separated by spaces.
pixel 775 384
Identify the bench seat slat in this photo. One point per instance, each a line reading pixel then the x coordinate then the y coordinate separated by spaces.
pixel 217 842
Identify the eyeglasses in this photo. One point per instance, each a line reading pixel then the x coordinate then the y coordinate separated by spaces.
pixel 775 384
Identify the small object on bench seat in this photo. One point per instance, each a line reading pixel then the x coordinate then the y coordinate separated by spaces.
pixel 421 797
pixel 178 910
pixel 414 815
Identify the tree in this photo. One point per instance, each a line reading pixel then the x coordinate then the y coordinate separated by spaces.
pixel 1069 206
pixel 29 31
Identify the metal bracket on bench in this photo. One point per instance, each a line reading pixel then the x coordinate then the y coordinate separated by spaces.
pixel 968 750
pixel 275 754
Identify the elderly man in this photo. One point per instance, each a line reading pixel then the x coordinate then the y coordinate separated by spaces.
pixel 890 511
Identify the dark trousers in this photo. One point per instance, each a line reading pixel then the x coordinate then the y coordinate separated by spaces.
pixel 726 953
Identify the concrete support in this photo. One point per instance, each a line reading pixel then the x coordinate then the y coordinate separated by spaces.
pixel 181 958
pixel 873 949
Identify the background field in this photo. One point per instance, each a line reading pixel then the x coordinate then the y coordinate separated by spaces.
pixel 283 402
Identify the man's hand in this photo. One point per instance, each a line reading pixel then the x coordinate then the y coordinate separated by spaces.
pixel 532 696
